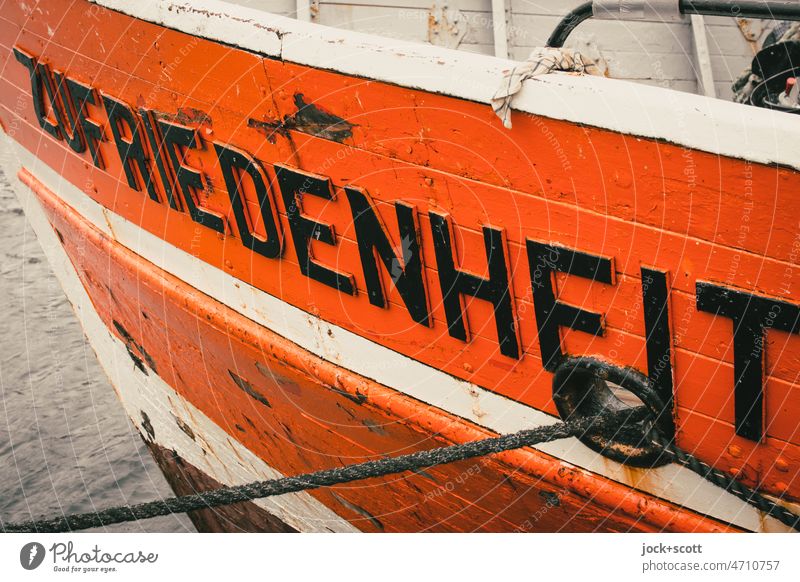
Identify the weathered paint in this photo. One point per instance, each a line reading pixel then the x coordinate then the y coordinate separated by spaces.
pixel 409 146
pixel 467 401
pixel 154 408
pixel 710 125
pixel 299 423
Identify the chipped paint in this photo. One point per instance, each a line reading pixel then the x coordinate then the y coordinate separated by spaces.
pixel 309 118
pixel 323 359
pixel 187 116
pixel 147 426
pixel 245 386
pixel 132 345
pixel 360 511
pixel 393 403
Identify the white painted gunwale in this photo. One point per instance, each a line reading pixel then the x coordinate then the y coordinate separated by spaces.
pixel 372 360
pixel 694 121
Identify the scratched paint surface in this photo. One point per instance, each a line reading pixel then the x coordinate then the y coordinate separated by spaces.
pixel 236 374
pixel 638 202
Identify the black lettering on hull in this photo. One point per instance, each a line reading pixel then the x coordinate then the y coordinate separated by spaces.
pixel 161 158
pixel 58 93
pixel 81 96
pixel 235 165
pixel 752 316
pixel 407 272
pixel 655 298
pixel 37 73
pixel 177 141
pixel 148 144
pixel 456 283
pixel 293 185
pixel 127 134
pixel 544 260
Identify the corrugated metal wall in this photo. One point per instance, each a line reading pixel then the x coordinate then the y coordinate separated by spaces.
pixel 650 52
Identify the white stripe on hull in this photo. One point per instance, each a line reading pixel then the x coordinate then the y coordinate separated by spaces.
pixel 374 361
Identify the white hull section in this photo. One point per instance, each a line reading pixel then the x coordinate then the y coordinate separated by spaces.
pixel 339 346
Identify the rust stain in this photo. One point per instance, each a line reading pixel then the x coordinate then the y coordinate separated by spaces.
pixel 373 426
pixel 551 499
pixel 446 26
pixel 356 397
pixel 187 430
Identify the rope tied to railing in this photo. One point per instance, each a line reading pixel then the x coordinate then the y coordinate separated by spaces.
pixel 540 62
pixel 393 465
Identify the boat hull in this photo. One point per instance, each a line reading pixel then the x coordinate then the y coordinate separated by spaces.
pixel 287 408
pixel 265 263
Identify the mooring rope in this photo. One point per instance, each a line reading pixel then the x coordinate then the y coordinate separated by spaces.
pixel 393 465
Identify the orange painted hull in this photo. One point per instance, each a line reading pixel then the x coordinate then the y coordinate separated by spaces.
pixel 303 414
pixel 634 202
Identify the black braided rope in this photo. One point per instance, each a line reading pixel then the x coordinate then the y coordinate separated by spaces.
pixel 393 465
pixel 329 477
pixel 728 483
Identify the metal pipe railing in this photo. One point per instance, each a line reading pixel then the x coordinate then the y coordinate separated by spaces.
pixel 635 10
pixel 771 10
pixel 568 24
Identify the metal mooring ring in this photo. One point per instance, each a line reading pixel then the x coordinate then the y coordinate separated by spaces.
pixel 580 391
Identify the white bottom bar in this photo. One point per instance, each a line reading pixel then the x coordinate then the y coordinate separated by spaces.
pixel 479 557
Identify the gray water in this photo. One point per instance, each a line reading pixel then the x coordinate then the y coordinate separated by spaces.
pixel 66 444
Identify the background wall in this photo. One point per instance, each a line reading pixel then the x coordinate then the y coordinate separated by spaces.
pixel 650 52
